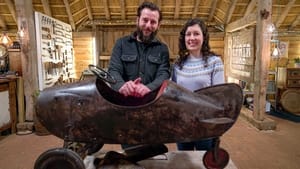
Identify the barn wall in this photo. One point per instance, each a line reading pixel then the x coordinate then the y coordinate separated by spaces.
pixel 83 45
pixel 108 36
pixel 84 48
pixel 292 52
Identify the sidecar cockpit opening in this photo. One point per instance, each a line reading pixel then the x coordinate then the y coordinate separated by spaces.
pixel 116 98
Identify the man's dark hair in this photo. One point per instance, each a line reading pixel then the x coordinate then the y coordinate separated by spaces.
pixel 151 6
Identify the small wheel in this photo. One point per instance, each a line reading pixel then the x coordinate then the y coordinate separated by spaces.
pixel 102 74
pixel 219 161
pixel 59 158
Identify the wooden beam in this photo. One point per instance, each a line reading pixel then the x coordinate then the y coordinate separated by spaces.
pixel 88 7
pixel 11 8
pixel 25 17
pixel 82 24
pixel 71 20
pixel 2 23
pixel 196 8
pixel 250 7
pixel 82 19
pixel 106 9
pixel 90 15
pixel 241 23
pixel 46 7
pixel 79 12
pixel 230 12
pixel 177 9
pixel 295 23
pixel 212 10
pixel 262 61
pixel 284 13
pixel 122 5
pixel 218 19
pixel 178 22
pixel 74 2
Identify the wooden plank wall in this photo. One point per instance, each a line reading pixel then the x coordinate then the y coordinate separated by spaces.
pixel 293 52
pixel 106 38
pixel 167 35
pixel 83 44
pixel 217 44
pixel 84 48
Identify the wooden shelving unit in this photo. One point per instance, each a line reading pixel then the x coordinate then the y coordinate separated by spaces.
pixel 8 111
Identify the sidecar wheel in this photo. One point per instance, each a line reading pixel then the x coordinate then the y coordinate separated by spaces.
pixel 59 158
pixel 218 162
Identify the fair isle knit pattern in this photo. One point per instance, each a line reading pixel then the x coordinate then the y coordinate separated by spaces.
pixel 194 75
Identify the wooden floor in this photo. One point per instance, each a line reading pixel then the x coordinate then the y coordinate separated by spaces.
pixel 248 147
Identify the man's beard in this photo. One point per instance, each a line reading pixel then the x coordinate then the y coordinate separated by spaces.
pixel 143 38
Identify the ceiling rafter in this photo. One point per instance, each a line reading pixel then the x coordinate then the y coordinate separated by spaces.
pixel 11 8
pixel 218 19
pixel 177 9
pixel 106 9
pixel 82 19
pixel 250 7
pixel 230 12
pixel 71 20
pixel 122 5
pixel 90 15
pixel 196 8
pixel 88 7
pixel 46 7
pixel 74 2
pixel 295 23
pixel 284 13
pixel 168 22
pixel 82 23
pixel 242 23
pixel 78 12
pixel 2 23
pixel 60 16
pixel 212 10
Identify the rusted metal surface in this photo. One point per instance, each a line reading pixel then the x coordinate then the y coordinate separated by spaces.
pixel 90 111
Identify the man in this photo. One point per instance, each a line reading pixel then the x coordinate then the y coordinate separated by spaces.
pixel 140 62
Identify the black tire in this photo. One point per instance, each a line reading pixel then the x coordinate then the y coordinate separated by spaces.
pixel 59 158
pixel 219 162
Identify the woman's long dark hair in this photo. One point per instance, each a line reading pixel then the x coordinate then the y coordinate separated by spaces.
pixel 183 52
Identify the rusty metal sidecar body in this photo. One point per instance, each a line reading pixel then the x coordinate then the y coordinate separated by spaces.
pixel 90 111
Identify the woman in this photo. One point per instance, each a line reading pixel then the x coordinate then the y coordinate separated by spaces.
pixel 197 67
